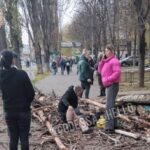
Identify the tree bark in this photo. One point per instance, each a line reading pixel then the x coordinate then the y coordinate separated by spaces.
pixel 3 44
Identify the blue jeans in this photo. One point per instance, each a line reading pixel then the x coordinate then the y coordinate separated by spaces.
pixel 18 128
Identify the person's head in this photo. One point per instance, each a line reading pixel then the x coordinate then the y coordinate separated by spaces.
pixel 6 59
pixel 109 50
pixel 86 53
pixel 79 91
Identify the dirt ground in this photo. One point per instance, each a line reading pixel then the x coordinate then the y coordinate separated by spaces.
pixel 74 140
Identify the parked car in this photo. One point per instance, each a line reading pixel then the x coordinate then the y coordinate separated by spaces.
pixel 128 61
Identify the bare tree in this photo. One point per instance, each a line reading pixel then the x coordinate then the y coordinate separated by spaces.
pixel 3 44
pixel 142 8
pixel 33 11
pixel 12 16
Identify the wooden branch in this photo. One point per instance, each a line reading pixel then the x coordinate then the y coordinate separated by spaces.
pixel 89 101
pixel 36 116
pixel 135 99
pixel 140 121
pixel 129 134
pixel 109 137
pixel 47 139
pixel 41 108
pixel 123 117
pixel 58 141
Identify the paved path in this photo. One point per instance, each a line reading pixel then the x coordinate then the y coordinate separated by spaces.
pixel 59 83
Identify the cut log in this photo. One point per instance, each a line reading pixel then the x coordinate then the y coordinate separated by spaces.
pixel 140 121
pixel 123 117
pixel 129 134
pixel 89 101
pixel 136 99
pixel 51 130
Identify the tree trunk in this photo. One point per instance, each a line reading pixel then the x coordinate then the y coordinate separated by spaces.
pixel 3 44
pixel 142 57
pixel 38 59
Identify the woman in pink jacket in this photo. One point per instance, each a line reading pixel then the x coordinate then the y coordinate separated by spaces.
pixel 109 68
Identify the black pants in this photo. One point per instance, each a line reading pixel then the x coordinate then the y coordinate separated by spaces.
pixel 68 70
pixel 18 128
pixel 86 86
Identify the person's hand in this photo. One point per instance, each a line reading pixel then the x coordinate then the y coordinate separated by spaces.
pixel 104 56
pixel 89 80
pixel 70 108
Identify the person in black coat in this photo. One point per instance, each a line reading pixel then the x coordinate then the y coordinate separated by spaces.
pixel 17 95
pixel 70 98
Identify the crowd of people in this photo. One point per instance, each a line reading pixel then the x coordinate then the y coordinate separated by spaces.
pixel 65 64
pixel 18 92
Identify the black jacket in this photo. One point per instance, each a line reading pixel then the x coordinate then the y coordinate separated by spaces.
pixel 68 99
pixel 17 90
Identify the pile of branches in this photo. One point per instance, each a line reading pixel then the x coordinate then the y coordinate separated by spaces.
pixel 133 120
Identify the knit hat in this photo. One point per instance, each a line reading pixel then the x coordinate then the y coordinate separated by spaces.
pixel 6 58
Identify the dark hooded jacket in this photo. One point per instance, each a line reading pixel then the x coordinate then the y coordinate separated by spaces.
pixel 17 90
pixel 84 69
pixel 68 99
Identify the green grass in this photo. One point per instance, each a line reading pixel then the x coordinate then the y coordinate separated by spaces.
pixel 39 77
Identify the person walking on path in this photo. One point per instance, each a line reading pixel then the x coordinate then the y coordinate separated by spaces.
pixel 54 67
pixel 62 65
pixel 68 66
pixel 17 95
pixel 109 68
pixel 84 71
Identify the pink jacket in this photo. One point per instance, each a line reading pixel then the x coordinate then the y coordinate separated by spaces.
pixel 110 70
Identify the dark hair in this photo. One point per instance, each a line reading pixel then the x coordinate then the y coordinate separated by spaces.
pixel 6 58
pixel 110 47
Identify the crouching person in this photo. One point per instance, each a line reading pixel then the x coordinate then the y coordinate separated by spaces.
pixel 68 110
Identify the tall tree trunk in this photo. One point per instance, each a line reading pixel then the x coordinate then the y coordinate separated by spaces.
pixel 142 57
pixel 142 10
pixel 12 17
pixel 3 44
pixel 38 58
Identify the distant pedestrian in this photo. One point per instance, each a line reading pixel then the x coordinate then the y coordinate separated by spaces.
pixel 17 95
pixel 54 67
pixel 28 63
pixel 71 64
pixel 68 66
pixel 109 68
pixel 62 65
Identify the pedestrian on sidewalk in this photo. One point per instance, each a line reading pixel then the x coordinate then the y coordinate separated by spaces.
pixel 54 67
pixel 68 66
pixel 84 71
pixel 109 68
pixel 62 65
pixel 17 95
